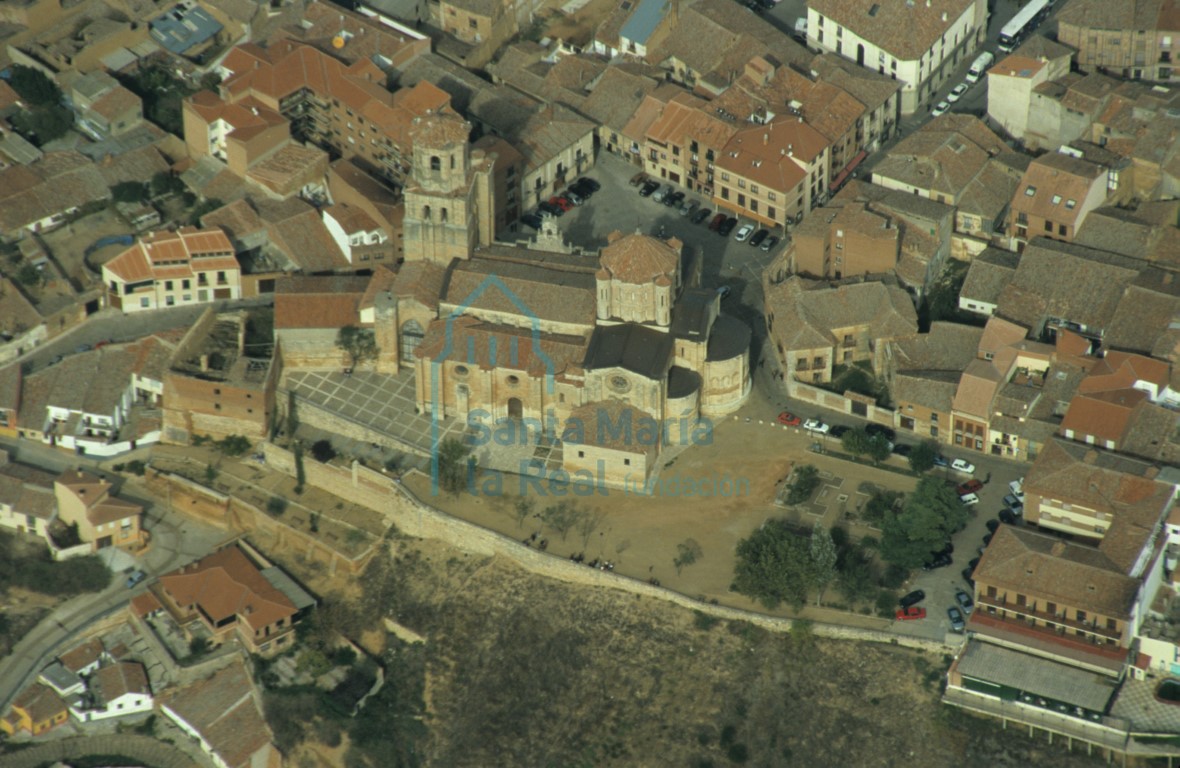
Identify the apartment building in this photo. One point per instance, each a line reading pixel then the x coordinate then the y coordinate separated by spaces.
pixel 102 519
pixel 1053 198
pixel 844 242
pixel 170 269
pixel 918 42
pixel 1134 38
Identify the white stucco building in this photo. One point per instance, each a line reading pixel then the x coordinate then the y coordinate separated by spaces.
pixel 919 42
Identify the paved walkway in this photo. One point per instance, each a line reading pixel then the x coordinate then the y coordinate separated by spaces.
pixel 145 749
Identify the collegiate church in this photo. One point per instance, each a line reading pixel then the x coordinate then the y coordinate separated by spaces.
pixel 543 333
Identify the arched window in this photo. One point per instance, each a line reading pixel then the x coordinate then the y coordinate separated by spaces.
pixel 435 163
pixel 426 212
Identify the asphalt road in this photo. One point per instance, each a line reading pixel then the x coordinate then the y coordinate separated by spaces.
pixel 176 540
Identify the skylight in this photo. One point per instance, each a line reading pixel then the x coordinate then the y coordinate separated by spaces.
pixel 1071 204
pixel 1056 199
pixel 1030 191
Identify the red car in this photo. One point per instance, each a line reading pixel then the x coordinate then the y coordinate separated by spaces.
pixel 971 486
pixel 789 419
pixel 913 613
pixel 561 203
pixel 717 221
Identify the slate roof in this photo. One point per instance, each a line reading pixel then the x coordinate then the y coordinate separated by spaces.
pixel 630 346
pixel 906 30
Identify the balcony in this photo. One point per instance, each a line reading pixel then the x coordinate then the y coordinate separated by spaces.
pixel 1028 615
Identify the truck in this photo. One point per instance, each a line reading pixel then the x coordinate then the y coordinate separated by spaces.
pixel 979 66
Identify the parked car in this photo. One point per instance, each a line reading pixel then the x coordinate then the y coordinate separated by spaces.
pixel 940 461
pixel 572 195
pixel 135 578
pixel 1006 517
pixel 956 617
pixel 816 426
pixel 941 108
pixel 758 237
pixel 744 233
pixel 637 179
pixel 913 613
pixel 700 215
pixel 564 203
pixel 581 190
pixel 661 193
pixel 552 210
pixel 724 291
pixel 940 560
pixel 768 243
pixel 968 572
pixel 901 449
pixel 649 188
pixel 969 499
pixel 532 220
pixel 882 430
pixel 957 92
pixel 839 431
pixel 912 598
pixel 1013 503
pixel 590 183
pixel 971 486
pixel 964 466
pixel 992 525
pixel 966 604
pixel 717 221
pixel 727 226
pixel 673 200
pixel 1017 488
pixel 788 419
pixel 688 207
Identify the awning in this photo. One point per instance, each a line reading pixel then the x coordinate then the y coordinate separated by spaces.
pixel 848 169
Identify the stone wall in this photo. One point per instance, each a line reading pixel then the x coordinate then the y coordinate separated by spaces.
pixel 415 517
pixel 840 403
pixel 314 416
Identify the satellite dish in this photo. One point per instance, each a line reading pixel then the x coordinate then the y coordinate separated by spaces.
pixel 338 42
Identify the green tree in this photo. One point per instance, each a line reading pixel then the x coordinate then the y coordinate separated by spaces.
pixel 29 275
pixel 300 472
pixel 878 448
pixel 806 481
pixel 522 509
pixel 129 192
pixel 359 344
pixel 923 455
pixel 322 451
pixel 687 553
pixel 561 517
pixel 773 566
pixel 201 208
pixel 34 86
pixel 41 125
pixel 858 577
pixel 823 560
pixel 164 183
pixel 855 442
pixel 923 526
pixel 276 505
pixel 879 505
pixel 452 465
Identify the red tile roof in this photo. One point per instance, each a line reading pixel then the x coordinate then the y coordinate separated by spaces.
pixel 225 585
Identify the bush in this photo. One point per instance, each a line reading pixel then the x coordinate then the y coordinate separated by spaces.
pixel 343 656
pixel 34 86
pixel 129 192
pixel 738 753
pixel 894 576
pixel 276 505
pixel 886 603
pixel 234 445
pixel 322 451
pixel 39 573
pixel 807 480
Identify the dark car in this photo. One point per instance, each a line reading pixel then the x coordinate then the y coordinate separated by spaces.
pixel 967 573
pixel 581 190
pixel 987 539
pixel 717 221
pixel 649 188
pixel 135 578
pixel 585 181
pixel 839 430
pixel 940 461
pixel 901 449
pixel 956 617
pixel 727 226
pixel 546 207
pixel 674 199
pixel 700 215
pixel 532 220
pixel 964 600
pixel 992 525
pixel 971 486
pixel 1007 517
pixel 912 598
pixel 771 242
pixel 940 560
pixel 882 430
pixel 758 237
pixel 974 562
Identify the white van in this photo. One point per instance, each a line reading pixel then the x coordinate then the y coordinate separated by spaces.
pixel 979 66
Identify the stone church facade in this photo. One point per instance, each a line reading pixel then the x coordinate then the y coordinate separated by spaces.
pixel 624 343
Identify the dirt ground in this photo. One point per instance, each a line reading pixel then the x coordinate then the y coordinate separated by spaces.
pixel 69 243
pixel 639 534
pixel 521 670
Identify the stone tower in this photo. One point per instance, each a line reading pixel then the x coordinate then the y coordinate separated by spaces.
pixel 442 219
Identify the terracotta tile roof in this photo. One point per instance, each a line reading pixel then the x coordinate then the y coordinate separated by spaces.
pixel 805 312
pixel 145 603
pixel 640 259
pixel 1054 180
pixel 977 389
pixel 83 655
pixel 172 255
pixel 946 347
pixel 1131 15
pixel 226 585
pixel 1143 320
pixel 115 103
pixel 123 677
pixel 594 424
pixel 776 156
pixel 58 182
pixel 906 30
pixel 318 302
pixel 1044 567
pixel 40 703
pixel 490 346
pixel 422 281
pixel 870 88
pixel 930 389
pixel 237 219
pixel 443 130
pixel 138 164
pixel 295 229
pixel 989 272
pixel 1066 281
pixel 617 97
pixel 498 286
pixel 225 710
pixel 1017 66
pixel 941 157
